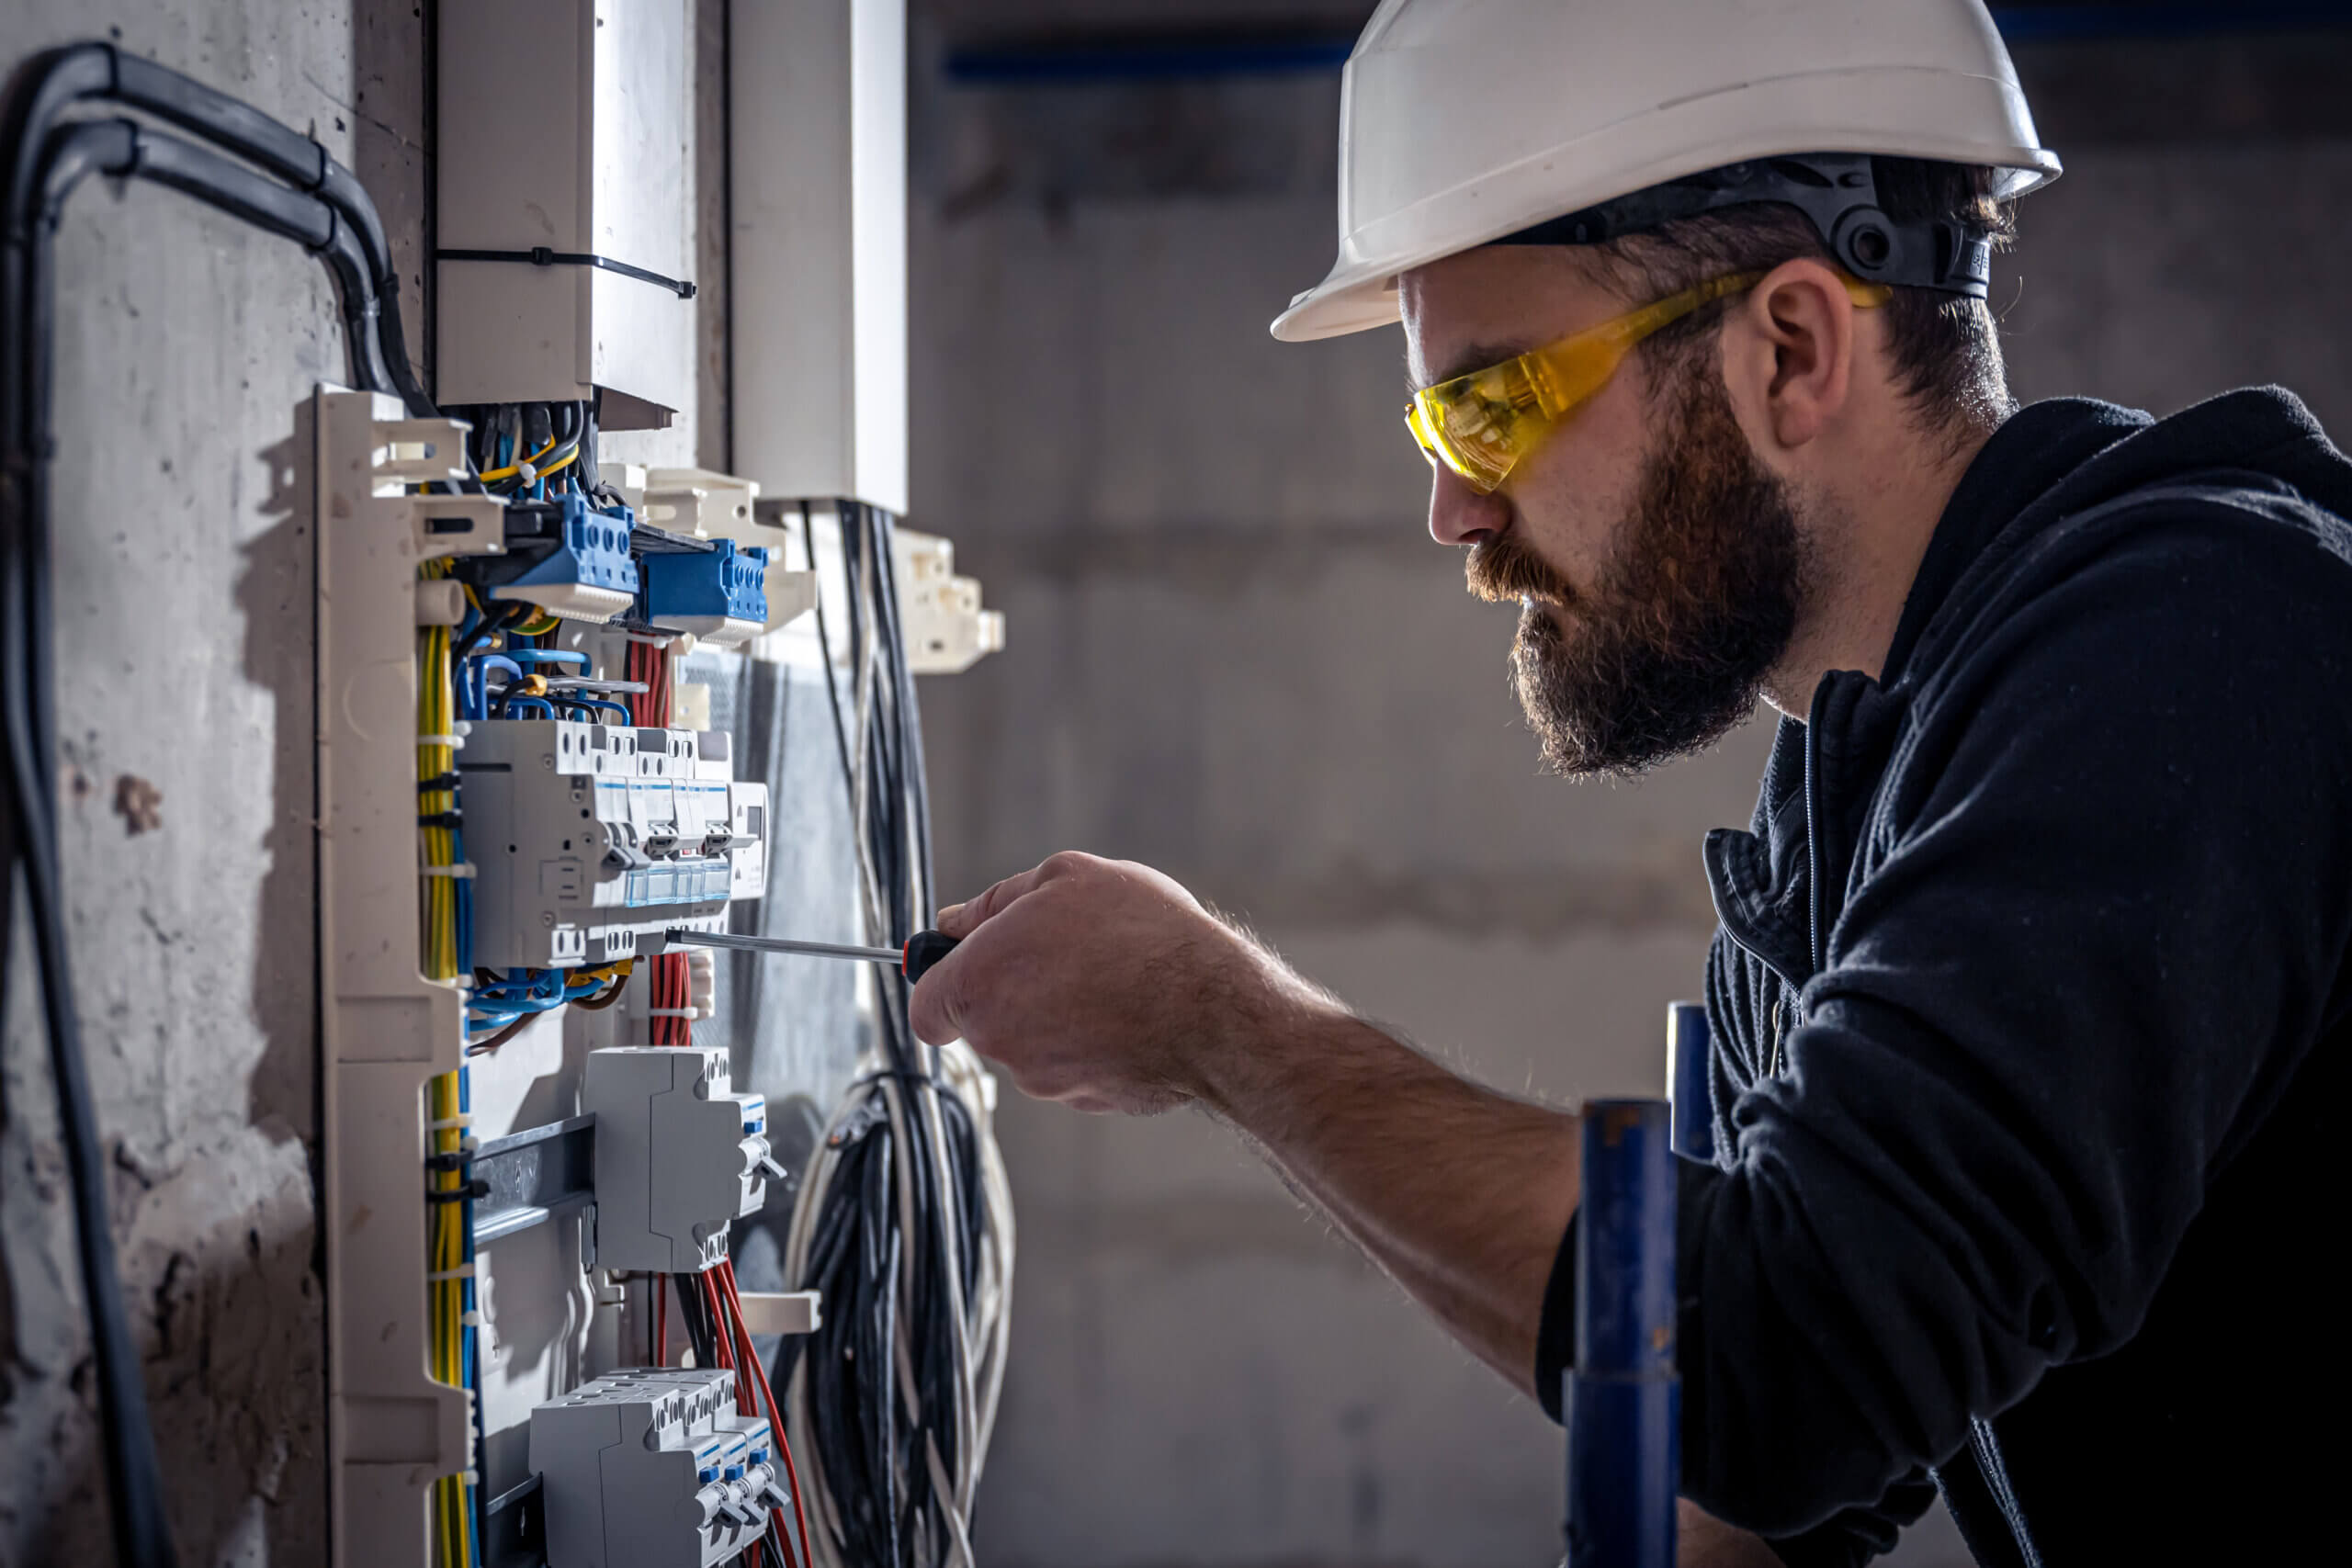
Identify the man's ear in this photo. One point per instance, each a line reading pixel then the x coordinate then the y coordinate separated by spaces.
pixel 1789 356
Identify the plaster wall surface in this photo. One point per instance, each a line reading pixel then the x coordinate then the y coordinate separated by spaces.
pixel 1234 653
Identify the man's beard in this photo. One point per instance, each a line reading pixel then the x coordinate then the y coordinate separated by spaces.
pixel 1667 652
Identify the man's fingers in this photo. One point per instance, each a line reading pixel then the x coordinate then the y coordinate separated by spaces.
pixel 935 1007
pixel 960 920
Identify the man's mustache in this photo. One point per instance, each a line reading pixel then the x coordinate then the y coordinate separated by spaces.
pixel 1501 568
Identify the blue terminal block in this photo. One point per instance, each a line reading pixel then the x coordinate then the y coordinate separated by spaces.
pixel 1624 1399
pixel 719 594
pixel 589 574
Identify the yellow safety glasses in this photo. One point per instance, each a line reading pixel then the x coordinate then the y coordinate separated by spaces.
pixel 1481 425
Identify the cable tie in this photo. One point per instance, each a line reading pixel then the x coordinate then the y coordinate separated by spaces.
pixel 460 1193
pixel 673 1012
pixel 439 783
pixel 454 742
pixel 449 1159
pixel 462 1271
pixel 463 869
pixel 452 818
pixel 471 1320
pixel 462 1119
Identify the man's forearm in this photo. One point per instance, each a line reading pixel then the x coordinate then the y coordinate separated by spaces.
pixel 1461 1194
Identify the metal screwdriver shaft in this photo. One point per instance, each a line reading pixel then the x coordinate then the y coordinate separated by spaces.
pixel 923 949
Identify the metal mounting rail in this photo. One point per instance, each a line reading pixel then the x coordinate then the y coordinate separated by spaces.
pixel 533 1175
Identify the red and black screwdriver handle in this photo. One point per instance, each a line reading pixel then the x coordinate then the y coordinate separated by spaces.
pixel 923 949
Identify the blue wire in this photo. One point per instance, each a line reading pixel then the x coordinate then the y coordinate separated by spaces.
pixel 548 656
pixel 545 708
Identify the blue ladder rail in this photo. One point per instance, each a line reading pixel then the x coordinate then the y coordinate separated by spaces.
pixel 1623 1398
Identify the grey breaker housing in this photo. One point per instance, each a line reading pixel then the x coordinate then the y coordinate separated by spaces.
pixel 590 840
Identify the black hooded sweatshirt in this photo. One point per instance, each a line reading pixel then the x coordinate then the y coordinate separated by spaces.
pixel 2030 1015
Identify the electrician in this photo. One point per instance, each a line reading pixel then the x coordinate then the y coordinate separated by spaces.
pixel 2030 991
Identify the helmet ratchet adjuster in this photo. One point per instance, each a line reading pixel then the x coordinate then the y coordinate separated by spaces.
pixel 1838 194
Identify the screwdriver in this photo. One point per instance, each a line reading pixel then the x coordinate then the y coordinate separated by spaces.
pixel 914 960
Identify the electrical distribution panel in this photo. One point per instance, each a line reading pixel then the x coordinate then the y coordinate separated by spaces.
pixel 678 1157
pixel 532 1162
pixel 653 1468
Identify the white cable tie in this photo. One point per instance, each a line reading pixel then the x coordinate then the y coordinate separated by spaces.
pixel 462 1119
pixel 454 742
pixel 462 1271
pixel 529 474
pixel 673 1013
pixel 473 1315
pixel 462 869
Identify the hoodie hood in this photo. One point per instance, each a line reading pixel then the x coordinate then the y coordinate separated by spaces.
pixel 2056 458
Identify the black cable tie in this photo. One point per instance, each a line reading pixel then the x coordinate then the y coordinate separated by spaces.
pixel 454 1159
pixel 439 783
pixel 459 1194
pixel 542 255
pixel 441 819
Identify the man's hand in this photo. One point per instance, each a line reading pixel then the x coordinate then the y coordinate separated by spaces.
pixel 1103 985
pixel 1107 987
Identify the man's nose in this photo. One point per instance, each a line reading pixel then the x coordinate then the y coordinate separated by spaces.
pixel 1459 514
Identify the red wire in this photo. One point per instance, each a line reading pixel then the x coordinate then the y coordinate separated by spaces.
pixel 775 1411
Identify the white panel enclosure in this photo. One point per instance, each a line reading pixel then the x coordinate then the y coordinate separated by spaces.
pixel 819 282
pixel 566 125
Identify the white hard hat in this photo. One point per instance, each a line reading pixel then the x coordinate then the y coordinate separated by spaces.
pixel 1462 121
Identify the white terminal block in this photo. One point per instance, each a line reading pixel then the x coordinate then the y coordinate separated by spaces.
pixel 679 1156
pixel 590 840
pixel 653 1468
pixel 947 630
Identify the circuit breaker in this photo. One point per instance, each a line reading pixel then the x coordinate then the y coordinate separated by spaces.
pixel 653 1468
pixel 591 839
pixel 678 1155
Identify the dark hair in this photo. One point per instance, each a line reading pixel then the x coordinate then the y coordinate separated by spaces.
pixel 1947 357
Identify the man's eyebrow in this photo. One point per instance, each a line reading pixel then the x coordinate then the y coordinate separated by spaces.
pixel 1468 358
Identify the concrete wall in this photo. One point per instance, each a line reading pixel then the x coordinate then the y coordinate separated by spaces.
pixel 1234 653
pixel 184 343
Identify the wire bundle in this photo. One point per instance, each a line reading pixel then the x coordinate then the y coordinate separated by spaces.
pixel 904 1223
pixel 445 894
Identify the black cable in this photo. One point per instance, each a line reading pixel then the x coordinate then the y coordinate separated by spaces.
pixel 874 1460
pixel 135 1486
pixel 63 76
